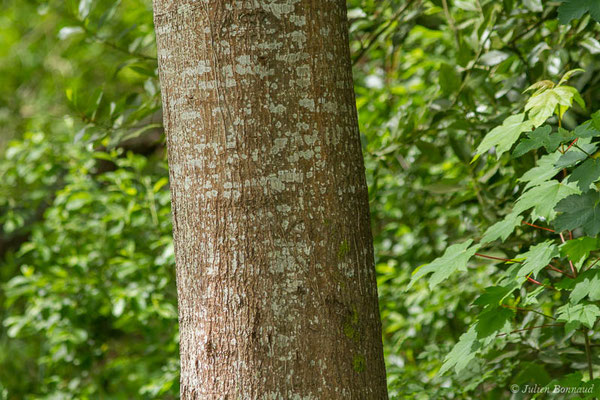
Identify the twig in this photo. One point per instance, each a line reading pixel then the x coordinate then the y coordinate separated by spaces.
pixel 553 268
pixel 112 45
pixel 529 310
pixel 571 145
pixel 594 263
pixel 539 227
pixel 497 258
pixel 579 148
pixel 378 33
pixel 532 27
pixel 562 238
pixel 528 329
pixel 530 279
pixel 451 23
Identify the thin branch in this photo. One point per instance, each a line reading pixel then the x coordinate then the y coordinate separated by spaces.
pixel 582 150
pixel 497 258
pixel 529 310
pixel 539 227
pixel 594 263
pixel 110 44
pixel 571 145
pixel 553 268
pixel 528 329
pixel 376 34
pixel 520 262
pixel 562 239
pixel 532 27
pixel 530 279
pixel 451 23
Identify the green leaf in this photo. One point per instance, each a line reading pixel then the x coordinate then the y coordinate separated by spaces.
pixel 493 57
pixel 495 295
pixel 576 315
pixel 454 259
pixel 574 9
pixel 84 8
pixel 449 79
pixel 568 94
pixel 489 322
pixel 587 284
pixel 578 249
pixel 569 74
pixel 539 87
pixel 543 104
pixel 532 372
pixel 595 121
pixel 504 136
pixel 566 381
pixel 575 156
pixel 579 211
pixel 586 174
pixel 493 320
pixel 159 184
pixel 462 353
pixel 537 258
pixel 501 229
pixel 591 44
pixel 588 129
pixel 541 136
pixel 543 199
pixel 533 5
pixel 542 172
pixel 531 296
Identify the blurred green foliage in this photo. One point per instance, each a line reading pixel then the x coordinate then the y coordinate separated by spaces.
pixel 87 301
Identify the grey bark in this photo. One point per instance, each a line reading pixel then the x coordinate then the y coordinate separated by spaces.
pixel 275 275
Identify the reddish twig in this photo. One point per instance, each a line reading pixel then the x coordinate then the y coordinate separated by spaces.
pixel 520 262
pixel 497 258
pixel 571 145
pixel 530 279
pixel 539 227
pixel 553 268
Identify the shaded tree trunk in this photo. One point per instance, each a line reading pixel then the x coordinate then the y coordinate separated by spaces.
pixel 275 275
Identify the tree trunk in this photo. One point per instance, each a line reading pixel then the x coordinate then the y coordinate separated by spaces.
pixel 275 276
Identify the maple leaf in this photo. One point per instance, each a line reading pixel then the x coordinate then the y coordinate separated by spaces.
pixel 544 170
pixel 587 284
pixel 501 229
pixel 540 137
pixel 579 211
pixel 580 248
pixel 505 135
pixel 544 103
pixel 537 258
pixel 576 315
pixel 574 9
pixel 543 198
pixel 586 174
pixel 463 352
pixel 454 259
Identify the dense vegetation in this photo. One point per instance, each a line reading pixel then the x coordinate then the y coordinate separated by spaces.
pixel 461 160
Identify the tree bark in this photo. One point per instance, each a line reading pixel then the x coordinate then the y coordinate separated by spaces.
pixel 275 275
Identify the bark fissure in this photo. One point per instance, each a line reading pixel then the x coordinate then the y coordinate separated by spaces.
pixel 276 283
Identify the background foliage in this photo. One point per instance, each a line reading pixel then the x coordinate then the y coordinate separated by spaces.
pixel 87 300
